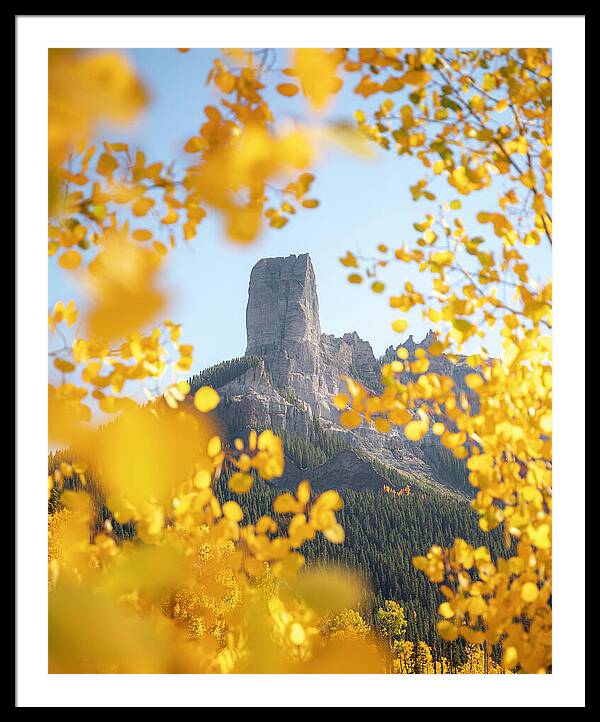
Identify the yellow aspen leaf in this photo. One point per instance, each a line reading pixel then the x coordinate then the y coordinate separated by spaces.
pixel 349 260
pixel 170 217
pixel 232 511
pixel 416 77
pixel 462 325
pixel 415 430
pixel 214 446
pixel 99 211
pixel 477 607
pixel 400 325
pixel 442 258
pixel 287 89
pixel 546 423
pixel 153 171
pixel 252 439
pixel 378 287
pixel 460 452
pixel 315 69
pixel 540 537
pixel 532 239
pixel 510 657
pixel 107 164
pixel 63 365
pixel 195 145
pixel 202 479
pixel 355 278
pixel 226 82
pixel 142 205
pixel 528 179
pixel 141 234
pixel 391 85
pixel 436 348
pixel 240 483
pixel 182 386
pixel 243 224
pixel 424 225
pixel 477 103
pixel 421 365
pixel 70 260
pixel 529 592
pixel 189 232
pixel 367 55
pixel 330 500
pixel 303 492
pixel 335 534
pixel 474 381
pixel 278 222
pixel 287 503
pixel 446 610
pixel 382 425
pixel 447 631
pixel 206 399
pixel 399 416
pixel 350 419
pixel 340 401
pixel 428 56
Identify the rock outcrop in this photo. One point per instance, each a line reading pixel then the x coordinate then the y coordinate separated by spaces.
pixel 283 328
pixel 299 370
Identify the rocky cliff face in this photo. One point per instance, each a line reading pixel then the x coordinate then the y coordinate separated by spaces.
pixel 298 372
pixel 283 328
pixel 282 324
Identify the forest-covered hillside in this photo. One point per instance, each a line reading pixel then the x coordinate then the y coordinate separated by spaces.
pixel 383 533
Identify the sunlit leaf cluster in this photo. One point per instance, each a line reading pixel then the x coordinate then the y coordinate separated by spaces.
pixel 480 120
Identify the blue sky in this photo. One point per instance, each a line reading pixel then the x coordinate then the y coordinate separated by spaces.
pixel 364 202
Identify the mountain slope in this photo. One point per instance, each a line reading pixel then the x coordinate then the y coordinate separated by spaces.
pixel 292 370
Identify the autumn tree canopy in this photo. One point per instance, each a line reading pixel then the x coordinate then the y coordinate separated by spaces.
pixel 480 124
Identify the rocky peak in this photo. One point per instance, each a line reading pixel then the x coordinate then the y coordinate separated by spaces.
pixel 410 345
pixel 283 307
pixel 300 369
pixel 283 328
pixel 429 339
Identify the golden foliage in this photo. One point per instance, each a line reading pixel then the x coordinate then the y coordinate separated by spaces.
pixel 201 590
pixel 83 89
pixel 492 118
